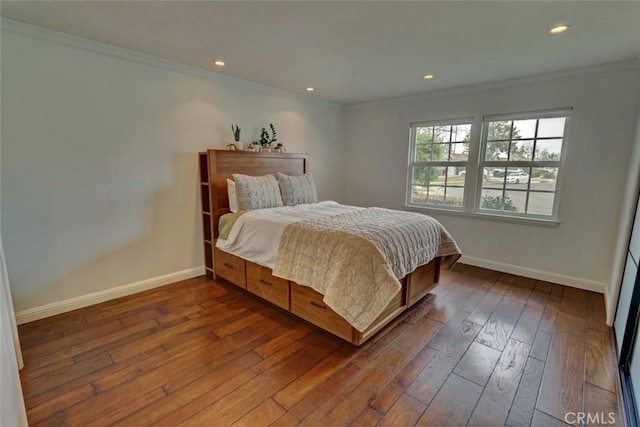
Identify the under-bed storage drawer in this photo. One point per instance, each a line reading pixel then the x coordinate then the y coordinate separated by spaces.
pixel 229 267
pixel 308 304
pixel 422 280
pixel 261 282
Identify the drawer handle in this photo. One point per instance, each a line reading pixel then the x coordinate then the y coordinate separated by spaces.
pixel 315 304
pixel 226 264
pixel 264 282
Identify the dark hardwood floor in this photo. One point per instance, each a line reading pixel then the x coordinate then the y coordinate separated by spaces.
pixel 485 349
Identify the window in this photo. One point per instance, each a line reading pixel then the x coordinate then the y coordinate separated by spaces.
pixel 438 163
pixel 514 164
pixel 521 159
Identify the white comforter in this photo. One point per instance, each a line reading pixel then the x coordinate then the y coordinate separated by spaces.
pixel 256 234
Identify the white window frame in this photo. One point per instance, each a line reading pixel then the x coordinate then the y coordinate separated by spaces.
pixel 475 165
pixel 412 163
pixel 525 164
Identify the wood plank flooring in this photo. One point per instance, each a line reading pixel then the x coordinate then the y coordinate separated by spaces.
pixel 484 349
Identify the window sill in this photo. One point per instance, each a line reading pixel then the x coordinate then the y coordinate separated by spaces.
pixel 537 222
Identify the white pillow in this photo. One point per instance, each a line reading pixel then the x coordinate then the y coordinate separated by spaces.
pixel 297 189
pixel 233 196
pixel 257 192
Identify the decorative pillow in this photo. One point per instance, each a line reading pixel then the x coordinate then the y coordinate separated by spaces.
pixel 257 192
pixel 233 197
pixel 297 189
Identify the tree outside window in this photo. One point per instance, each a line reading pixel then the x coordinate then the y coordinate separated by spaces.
pixel 439 156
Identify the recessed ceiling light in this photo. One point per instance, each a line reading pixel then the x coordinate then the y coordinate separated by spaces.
pixel 219 63
pixel 310 89
pixel 428 76
pixel 559 29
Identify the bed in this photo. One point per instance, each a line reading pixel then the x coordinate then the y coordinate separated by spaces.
pixel 256 275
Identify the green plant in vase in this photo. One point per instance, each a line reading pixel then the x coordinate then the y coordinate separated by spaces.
pixel 265 139
pixel 236 132
pixel 235 129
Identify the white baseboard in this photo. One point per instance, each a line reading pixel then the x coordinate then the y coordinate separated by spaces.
pixel 58 307
pixel 561 279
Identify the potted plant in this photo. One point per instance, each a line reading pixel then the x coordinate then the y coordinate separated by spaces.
pixel 236 137
pixel 255 146
pixel 265 139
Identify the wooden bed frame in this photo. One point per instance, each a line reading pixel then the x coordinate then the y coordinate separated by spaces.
pixel 216 166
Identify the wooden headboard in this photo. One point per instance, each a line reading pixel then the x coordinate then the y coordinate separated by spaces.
pixel 223 163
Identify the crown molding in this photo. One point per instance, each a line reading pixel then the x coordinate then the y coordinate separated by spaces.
pixel 143 58
pixel 610 66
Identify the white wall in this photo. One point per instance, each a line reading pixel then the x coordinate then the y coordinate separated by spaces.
pixel 99 163
pixel 580 250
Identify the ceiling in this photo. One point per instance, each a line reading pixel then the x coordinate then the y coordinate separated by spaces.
pixel 354 52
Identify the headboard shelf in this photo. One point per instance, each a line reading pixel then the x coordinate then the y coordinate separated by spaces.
pixel 220 165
